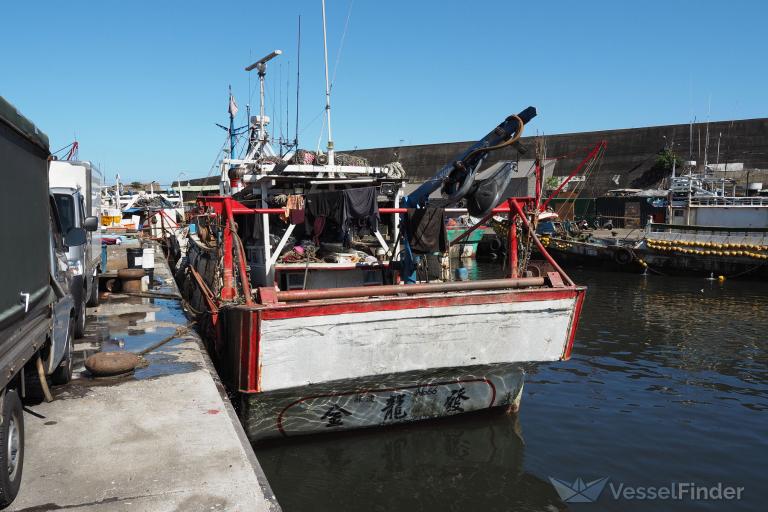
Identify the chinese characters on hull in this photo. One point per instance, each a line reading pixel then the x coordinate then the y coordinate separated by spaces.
pixel 335 416
pixel 453 401
pixel 393 409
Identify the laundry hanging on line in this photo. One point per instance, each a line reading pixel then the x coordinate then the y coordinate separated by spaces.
pixel 426 230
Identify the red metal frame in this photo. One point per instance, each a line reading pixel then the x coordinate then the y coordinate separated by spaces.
pixel 227 207
pixel 574 325
pixel 245 321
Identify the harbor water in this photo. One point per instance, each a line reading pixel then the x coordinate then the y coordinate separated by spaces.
pixel 668 384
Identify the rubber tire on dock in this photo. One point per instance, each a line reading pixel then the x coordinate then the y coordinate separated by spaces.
pixel 63 373
pixel 623 256
pixel 13 426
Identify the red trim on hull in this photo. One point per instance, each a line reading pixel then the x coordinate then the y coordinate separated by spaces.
pixel 574 326
pixel 431 384
pixel 249 338
pixel 322 308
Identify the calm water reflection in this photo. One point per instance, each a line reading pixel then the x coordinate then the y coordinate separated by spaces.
pixel 668 383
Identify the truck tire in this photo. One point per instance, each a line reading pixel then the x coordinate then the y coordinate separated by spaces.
pixel 11 448
pixel 93 297
pixel 63 373
pixel 33 388
pixel 79 320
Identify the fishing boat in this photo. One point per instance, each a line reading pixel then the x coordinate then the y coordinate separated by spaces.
pixel 709 231
pixel 309 274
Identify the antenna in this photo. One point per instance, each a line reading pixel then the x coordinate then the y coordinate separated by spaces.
pixel 690 139
pixel 261 66
pixel 262 63
pixel 298 81
pixel 706 142
pixel 287 111
pixel 327 92
pixel 280 106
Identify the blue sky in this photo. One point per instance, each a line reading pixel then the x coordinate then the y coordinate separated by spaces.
pixel 141 84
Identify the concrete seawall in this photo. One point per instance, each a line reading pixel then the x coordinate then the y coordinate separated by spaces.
pixel 629 156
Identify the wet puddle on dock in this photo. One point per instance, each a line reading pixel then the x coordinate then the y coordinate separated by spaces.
pixel 123 322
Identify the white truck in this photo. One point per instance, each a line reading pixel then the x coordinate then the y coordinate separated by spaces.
pixel 76 187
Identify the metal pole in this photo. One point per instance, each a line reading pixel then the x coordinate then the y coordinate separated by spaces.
pixel 262 129
pixel 117 192
pixel 181 194
pixel 227 290
pixel 512 243
pixel 384 290
pixel 719 135
pixel 674 162
pixel 327 93
pixel 231 129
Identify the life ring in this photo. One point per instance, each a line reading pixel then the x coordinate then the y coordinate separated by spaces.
pixel 623 256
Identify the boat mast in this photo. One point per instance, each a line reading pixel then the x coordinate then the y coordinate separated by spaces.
pixel 298 84
pixel 327 92
pixel 261 67
pixel 232 112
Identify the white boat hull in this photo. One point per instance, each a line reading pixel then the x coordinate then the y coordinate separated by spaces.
pixel 303 350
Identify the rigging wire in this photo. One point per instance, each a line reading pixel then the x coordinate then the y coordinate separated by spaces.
pixel 218 155
pixel 341 44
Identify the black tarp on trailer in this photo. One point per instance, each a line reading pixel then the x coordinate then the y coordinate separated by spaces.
pixel 24 215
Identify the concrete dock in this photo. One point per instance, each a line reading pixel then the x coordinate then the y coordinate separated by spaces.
pixel 165 438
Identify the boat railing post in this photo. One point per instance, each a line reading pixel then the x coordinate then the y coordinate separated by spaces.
pixel 227 290
pixel 396 224
pixel 513 203
pixel 268 269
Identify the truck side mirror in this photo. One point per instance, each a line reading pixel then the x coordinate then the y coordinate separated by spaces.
pixel 91 223
pixel 75 237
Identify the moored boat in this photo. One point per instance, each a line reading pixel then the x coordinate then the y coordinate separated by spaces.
pixel 311 277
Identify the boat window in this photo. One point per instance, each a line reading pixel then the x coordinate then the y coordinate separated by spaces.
pixel 65 204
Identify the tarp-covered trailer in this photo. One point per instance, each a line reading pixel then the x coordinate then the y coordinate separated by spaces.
pixel 26 294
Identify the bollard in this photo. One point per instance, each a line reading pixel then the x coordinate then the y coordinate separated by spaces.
pixel 148 262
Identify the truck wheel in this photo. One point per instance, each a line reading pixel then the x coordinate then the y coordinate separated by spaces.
pixel 63 373
pixel 79 320
pixel 11 448
pixel 93 297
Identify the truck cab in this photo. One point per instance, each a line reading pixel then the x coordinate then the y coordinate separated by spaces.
pixel 64 279
pixel 76 188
